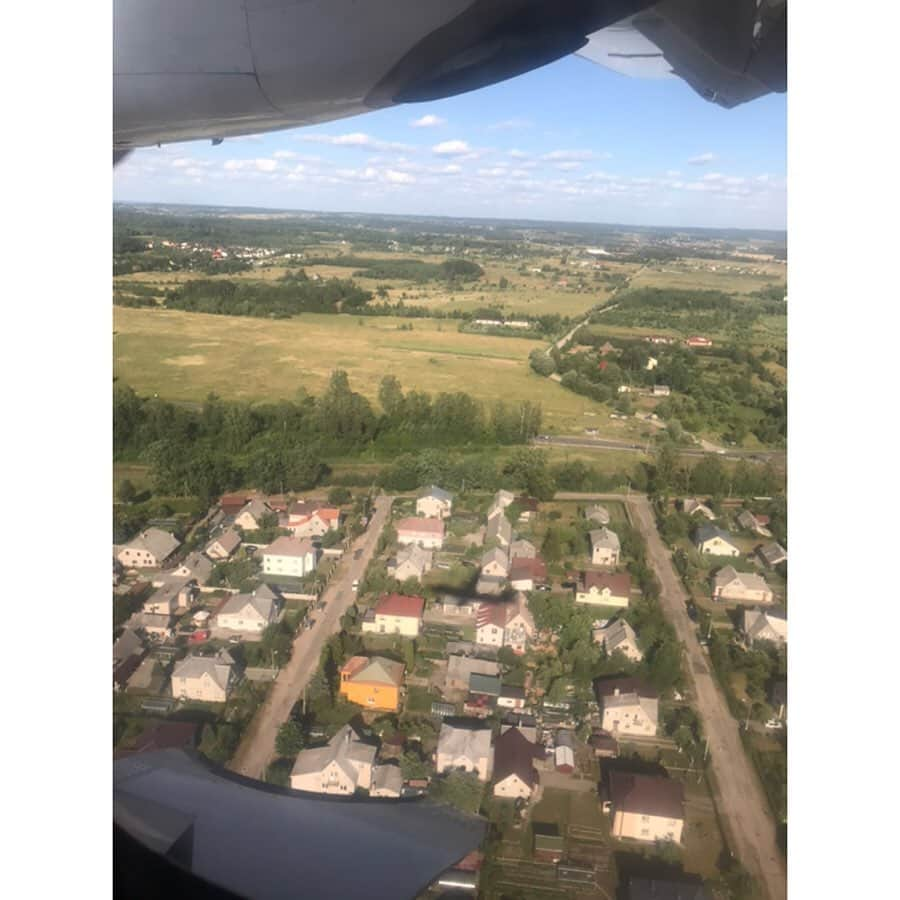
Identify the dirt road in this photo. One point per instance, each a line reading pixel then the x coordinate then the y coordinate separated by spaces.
pixel 750 830
pixel 257 748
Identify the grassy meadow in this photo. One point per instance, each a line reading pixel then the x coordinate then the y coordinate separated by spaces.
pixel 184 356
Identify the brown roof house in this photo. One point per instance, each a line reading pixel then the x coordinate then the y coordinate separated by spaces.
pixel 427 533
pixel 223 546
pixel 604 589
pixel 514 771
pixel 645 807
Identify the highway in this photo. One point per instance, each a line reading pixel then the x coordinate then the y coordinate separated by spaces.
pixel 741 802
pixel 257 748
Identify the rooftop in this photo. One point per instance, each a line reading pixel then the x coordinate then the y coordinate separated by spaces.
pixel 648 795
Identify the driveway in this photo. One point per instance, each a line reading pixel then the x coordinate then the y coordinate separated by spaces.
pixel 257 748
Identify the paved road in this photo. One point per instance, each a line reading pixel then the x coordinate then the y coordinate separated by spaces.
pixel 589 443
pixel 257 748
pixel 750 830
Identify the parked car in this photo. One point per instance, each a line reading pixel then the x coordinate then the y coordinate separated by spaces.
pixel 199 636
pixel 774 724
pixel 692 612
pixel 234 640
pixel 355 585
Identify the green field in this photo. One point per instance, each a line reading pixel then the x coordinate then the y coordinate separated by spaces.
pixel 694 274
pixel 184 356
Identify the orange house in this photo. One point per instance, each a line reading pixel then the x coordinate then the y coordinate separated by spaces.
pixel 372 683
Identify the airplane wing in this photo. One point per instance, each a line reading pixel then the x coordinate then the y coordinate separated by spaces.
pixel 189 69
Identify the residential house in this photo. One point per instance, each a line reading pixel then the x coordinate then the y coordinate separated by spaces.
pixel 207 678
pixel 499 531
pixel 619 637
pixel 661 390
pixel 278 503
pixel 514 771
pixel 224 545
pixel 740 587
pixel 646 807
pixel 502 499
pixel 772 554
pixel 490 585
pixel 232 504
pixel 465 748
pixel 714 541
pixel 290 556
pixel 461 668
pixel 520 548
pixel 312 520
pixel 604 589
pixel 252 514
pixel 129 644
pixel 764 625
pixel 527 724
pixel 511 697
pixel 527 572
pixel 387 781
pixel 698 341
pixel 434 503
pixel 340 767
pixel 195 566
pixel 395 614
pixel 157 625
pixel 411 562
pixel 692 506
pixel 450 605
pixel 528 507
pixel 173 594
pixel 508 624
pixel 605 547
pixel 149 550
pixel 373 683
pixel 148 677
pixel 495 562
pixel 628 706
pixel 651 364
pixel 428 533
pixel 597 513
pixel 250 613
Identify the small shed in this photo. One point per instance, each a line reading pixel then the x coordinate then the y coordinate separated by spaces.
pixel 564 760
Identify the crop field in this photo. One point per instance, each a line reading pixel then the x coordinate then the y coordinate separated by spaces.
pixel 185 356
pixel 730 277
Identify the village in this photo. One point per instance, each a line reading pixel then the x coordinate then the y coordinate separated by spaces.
pixel 478 661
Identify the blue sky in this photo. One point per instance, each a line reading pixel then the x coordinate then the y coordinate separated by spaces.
pixel 571 141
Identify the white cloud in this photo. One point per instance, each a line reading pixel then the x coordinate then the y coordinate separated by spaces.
pixel 702 159
pixel 567 155
pixel 451 148
pixel 354 139
pixel 266 165
pixel 494 172
pixel 450 169
pixel 395 177
pixel 428 121
pixel 568 166
pixel 284 154
pixel 672 173
pixel 713 176
pixel 518 154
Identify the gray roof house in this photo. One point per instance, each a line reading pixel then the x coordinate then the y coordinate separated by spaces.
pixel 605 546
pixel 340 767
pixel 499 529
pixel 249 612
pixel 129 644
pixel 206 678
pixel 765 625
pixel 465 748
pixel 151 548
pixel 495 562
pixel 691 506
pixel 460 669
pixel 224 545
pixel 713 540
pixel 520 548
pixel 387 781
pixel 619 636
pixel 772 554
pixel 196 566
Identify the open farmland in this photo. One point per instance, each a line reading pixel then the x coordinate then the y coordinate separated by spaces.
pixel 732 277
pixel 185 356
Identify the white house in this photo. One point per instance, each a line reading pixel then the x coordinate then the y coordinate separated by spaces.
pixel 765 625
pixel 149 550
pixel 514 773
pixel 627 707
pixel 712 540
pixel 251 613
pixel 395 614
pixel 604 589
pixel 692 506
pixel 340 767
pixel 434 503
pixel 605 547
pixel 171 595
pixel 505 624
pixel 307 519
pixel 502 499
pixel 207 678
pixel 289 556
pixel 741 587
pixel 251 516
pixel 427 533
pixel 619 637
pixel 495 562
pixel 224 545
pixel 468 749
pixel 411 561
pixel 646 807
pixel 195 566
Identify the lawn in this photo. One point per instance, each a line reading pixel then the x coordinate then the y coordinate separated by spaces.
pixel 184 356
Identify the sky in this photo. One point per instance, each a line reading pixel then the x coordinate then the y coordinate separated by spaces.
pixel 571 141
